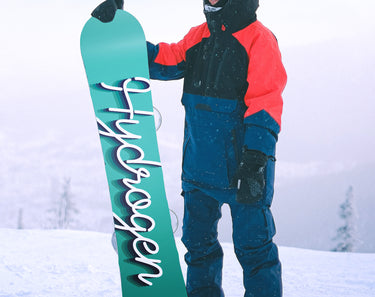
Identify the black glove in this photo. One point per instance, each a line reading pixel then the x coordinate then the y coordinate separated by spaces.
pixel 249 178
pixel 106 11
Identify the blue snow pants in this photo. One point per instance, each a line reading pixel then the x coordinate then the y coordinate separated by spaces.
pixel 253 230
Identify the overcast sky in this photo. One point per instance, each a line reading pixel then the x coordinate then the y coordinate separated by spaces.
pixel 41 71
pixel 42 37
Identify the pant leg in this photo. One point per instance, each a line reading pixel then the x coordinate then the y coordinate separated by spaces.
pixel 253 230
pixel 204 255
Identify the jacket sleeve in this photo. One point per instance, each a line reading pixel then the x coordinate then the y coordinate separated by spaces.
pixel 266 82
pixel 168 61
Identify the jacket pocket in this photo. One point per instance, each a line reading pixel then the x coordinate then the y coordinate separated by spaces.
pixel 205 161
pixel 210 149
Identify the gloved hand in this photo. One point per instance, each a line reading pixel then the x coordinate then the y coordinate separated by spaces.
pixel 106 11
pixel 249 178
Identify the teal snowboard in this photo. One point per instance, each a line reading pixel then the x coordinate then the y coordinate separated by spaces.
pixel 115 59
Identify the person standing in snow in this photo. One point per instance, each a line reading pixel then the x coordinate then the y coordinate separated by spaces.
pixel 232 94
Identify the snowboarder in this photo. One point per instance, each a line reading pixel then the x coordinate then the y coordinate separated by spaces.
pixel 233 82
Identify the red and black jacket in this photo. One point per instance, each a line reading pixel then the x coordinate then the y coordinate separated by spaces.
pixel 233 81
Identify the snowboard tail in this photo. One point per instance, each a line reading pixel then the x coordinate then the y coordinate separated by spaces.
pixel 116 64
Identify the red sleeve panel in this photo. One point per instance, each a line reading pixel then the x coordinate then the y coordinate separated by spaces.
pixel 175 53
pixel 266 74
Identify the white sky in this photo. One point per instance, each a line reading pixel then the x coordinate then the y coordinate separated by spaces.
pixel 40 60
pixel 34 32
pixel 39 35
pixel 41 66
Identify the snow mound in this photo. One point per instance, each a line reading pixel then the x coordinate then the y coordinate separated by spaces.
pixel 60 263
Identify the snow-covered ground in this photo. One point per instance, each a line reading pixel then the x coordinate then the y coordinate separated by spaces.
pixel 47 263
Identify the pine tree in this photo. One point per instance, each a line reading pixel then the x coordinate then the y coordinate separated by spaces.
pixel 20 219
pixel 64 209
pixel 346 234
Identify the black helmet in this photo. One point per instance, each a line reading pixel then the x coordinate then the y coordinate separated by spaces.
pixel 234 15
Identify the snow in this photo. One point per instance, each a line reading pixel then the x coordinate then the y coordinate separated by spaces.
pixel 45 263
